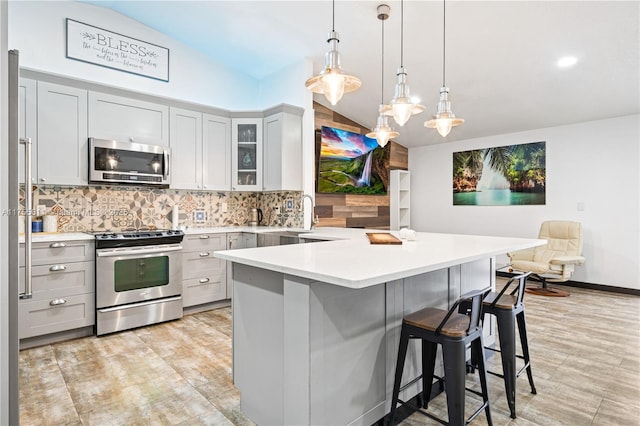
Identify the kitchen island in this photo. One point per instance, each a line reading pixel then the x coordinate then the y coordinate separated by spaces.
pixel 316 326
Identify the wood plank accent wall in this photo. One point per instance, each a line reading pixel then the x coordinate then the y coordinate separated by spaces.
pixel 353 210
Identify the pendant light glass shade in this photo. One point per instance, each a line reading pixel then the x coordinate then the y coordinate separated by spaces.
pixel 332 80
pixel 444 119
pixel 382 132
pixel 401 106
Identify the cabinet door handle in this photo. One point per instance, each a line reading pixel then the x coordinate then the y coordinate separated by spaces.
pixel 55 268
pixel 57 245
pixel 203 280
pixel 43 180
pixel 58 302
pixel 204 254
pixel 204 237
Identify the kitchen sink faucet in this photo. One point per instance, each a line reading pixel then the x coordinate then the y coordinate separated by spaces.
pixel 314 217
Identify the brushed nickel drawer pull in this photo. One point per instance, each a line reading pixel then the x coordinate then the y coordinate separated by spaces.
pixel 58 302
pixel 57 245
pixel 55 268
pixel 204 237
pixel 204 280
pixel 204 254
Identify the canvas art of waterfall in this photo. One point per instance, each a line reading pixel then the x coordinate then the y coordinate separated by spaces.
pixel 351 163
pixel 500 176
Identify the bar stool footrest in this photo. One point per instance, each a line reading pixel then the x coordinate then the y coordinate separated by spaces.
pixel 439 420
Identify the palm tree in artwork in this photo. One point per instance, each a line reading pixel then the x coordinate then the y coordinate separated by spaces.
pixel 514 160
pixel 499 159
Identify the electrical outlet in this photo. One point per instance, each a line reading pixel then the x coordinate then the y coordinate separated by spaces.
pixel 224 207
pixel 289 204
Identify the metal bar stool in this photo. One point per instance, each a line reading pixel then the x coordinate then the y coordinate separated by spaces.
pixel 509 309
pixel 454 331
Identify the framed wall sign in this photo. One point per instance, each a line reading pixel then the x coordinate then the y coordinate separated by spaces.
pixel 94 45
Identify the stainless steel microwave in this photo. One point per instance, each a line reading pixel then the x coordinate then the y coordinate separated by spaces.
pixel 128 162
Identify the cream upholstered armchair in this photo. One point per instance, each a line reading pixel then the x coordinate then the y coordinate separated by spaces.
pixel 554 262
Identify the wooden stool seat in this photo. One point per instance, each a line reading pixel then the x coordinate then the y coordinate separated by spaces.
pixel 430 319
pixel 504 301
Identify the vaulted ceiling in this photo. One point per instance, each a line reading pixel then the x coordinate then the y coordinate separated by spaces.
pixel 500 55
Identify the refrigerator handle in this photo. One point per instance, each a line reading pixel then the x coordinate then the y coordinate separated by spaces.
pixel 28 210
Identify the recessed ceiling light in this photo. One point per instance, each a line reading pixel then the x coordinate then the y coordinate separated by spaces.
pixel 567 61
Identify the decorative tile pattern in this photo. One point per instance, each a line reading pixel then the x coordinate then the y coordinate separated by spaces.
pixel 116 208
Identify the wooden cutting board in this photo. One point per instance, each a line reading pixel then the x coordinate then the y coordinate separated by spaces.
pixel 382 238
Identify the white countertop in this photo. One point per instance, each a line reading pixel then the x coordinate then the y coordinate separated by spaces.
pixel 228 229
pixel 351 261
pixel 47 237
pixel 79 236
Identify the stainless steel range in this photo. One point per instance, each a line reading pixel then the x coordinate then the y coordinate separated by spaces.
pixel 138 279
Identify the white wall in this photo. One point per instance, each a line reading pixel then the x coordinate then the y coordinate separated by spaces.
pixel 37 29
pixel 286 86
pixel 595 163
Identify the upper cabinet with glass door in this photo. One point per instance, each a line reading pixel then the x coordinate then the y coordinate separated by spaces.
pixel 246 154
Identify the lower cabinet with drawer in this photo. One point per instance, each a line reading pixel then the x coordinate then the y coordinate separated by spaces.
pixel 63 289
pixel 204 277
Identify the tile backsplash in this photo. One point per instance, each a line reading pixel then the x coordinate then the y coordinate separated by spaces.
pixel 116 208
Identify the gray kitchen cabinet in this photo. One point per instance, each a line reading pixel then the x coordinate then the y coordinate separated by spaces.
pixel 282 147
pixel 62 135
pixel 127 119
pixel 186 148
pixel 201 149
pixel 246 154
pixel 63 288
pixel 249 240
pixel 216 152
pixel 27 127
pixel 204 277
pixel 237 240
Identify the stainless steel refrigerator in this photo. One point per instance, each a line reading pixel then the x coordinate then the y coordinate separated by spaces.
pixel 14 146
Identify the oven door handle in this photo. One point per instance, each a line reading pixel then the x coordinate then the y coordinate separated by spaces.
pixel 129 252
pixel 137 305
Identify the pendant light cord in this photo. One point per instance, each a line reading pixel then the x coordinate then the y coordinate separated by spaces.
pixel 444 38
pixel 401 33
pixel 382 67
pixel 333 16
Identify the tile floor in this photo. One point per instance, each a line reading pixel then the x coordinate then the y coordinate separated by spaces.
pixel 584 352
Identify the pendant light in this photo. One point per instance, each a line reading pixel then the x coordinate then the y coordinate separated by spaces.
pixel 402 107
pixel 332 81
pixel 382 132
pixel 444 119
